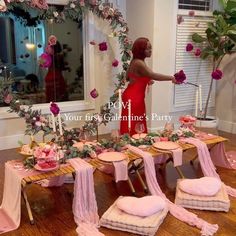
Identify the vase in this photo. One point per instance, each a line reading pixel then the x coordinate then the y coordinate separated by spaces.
pixel 208 124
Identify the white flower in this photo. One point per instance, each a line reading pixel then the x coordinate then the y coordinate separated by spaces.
pixel 100 7
pixel 38 123
pixel 72 5
pixel 55 13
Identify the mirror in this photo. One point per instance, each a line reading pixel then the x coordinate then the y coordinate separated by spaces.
pixel 22 43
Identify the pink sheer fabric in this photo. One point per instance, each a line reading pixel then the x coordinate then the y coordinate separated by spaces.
pixel 10 210
pixel 179 212
pixel 84 202
pixel 206 163
pixel 222 158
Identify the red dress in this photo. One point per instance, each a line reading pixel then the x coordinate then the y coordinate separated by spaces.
pixel 136 93
pixel 55 86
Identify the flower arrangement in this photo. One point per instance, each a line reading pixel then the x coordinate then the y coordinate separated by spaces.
pixel 219 41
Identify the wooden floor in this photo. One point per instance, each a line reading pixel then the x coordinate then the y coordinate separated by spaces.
pixel 53 214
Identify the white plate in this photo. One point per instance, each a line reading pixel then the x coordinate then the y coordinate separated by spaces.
pixel 37 167
pixel 166 145
pixel 112 156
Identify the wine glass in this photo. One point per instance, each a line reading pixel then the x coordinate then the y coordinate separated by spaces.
pixel 115 134
pixel 139 128
pixel 84 136
pixel 169 126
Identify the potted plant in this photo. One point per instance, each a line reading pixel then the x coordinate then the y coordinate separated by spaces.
pixel 219 41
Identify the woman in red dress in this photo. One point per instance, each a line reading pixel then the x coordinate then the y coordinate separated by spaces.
pixel 55 84
pixel 139 76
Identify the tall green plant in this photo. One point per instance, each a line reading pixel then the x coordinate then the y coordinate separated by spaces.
pixel 219 41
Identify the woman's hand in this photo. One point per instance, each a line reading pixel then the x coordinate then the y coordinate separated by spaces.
pixel 174 81
pixel 151 82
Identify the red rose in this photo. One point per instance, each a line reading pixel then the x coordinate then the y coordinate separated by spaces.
pixel 217 74
pixel 102 46
pixel 115 63
pixel 189 47
pixel 197 52
pixel 94 93
pixel 180 77
pixel 54 109
pixel 52 40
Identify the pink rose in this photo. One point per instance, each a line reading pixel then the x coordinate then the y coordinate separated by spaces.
pixel 115 63
pixel 191 13
pixel 52 40
pixel 54 109
pixel 189 47
pixel 180 77
pixel 217 74
pixel 49 50
pixel 82 3
pixel 102 46
pixel 8 98
pixel 3 6
pixel 197 52
pixel 41 4
pixel 94 93
pixel 45 60
pixel 180 19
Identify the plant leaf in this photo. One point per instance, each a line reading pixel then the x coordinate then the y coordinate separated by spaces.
pixel 197 38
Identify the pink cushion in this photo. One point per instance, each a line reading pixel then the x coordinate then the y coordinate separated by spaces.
pixel 205 186
pixel 145 206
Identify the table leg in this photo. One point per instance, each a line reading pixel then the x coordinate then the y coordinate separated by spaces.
pixel 27 204
pixel 180 172
pixel 131 186
pixel 141 181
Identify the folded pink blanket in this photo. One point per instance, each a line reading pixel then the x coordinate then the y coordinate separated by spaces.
pixel 177 211
pixel 84 202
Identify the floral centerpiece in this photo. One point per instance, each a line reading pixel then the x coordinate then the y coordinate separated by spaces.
pixel 187 121
pixel 46 156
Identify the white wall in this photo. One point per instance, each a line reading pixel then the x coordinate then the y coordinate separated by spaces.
pixel 12 128
pixel 226 96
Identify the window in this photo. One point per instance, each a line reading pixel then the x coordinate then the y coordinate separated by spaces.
pixel 198 71
pixel 200 5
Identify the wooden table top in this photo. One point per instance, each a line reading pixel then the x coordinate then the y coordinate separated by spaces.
pixel 68 169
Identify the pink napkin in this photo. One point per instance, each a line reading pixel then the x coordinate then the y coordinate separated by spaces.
pixel 121 170
pixel 84 202
pixel 177 211
pixel 177 156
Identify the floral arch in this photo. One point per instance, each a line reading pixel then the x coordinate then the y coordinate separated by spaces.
pixel 75 9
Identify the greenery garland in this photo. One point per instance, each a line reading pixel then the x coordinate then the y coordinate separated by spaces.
pixel 74 10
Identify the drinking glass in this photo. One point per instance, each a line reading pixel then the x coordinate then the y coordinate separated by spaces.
pixel 115 134
pixel 139 128
pixel 84 136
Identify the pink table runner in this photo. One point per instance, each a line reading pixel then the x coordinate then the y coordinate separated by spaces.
pixel 206 163
pixel 84 202
pixel 10 210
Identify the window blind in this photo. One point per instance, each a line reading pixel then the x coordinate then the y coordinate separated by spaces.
pixel 197 71
pixel 200 5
